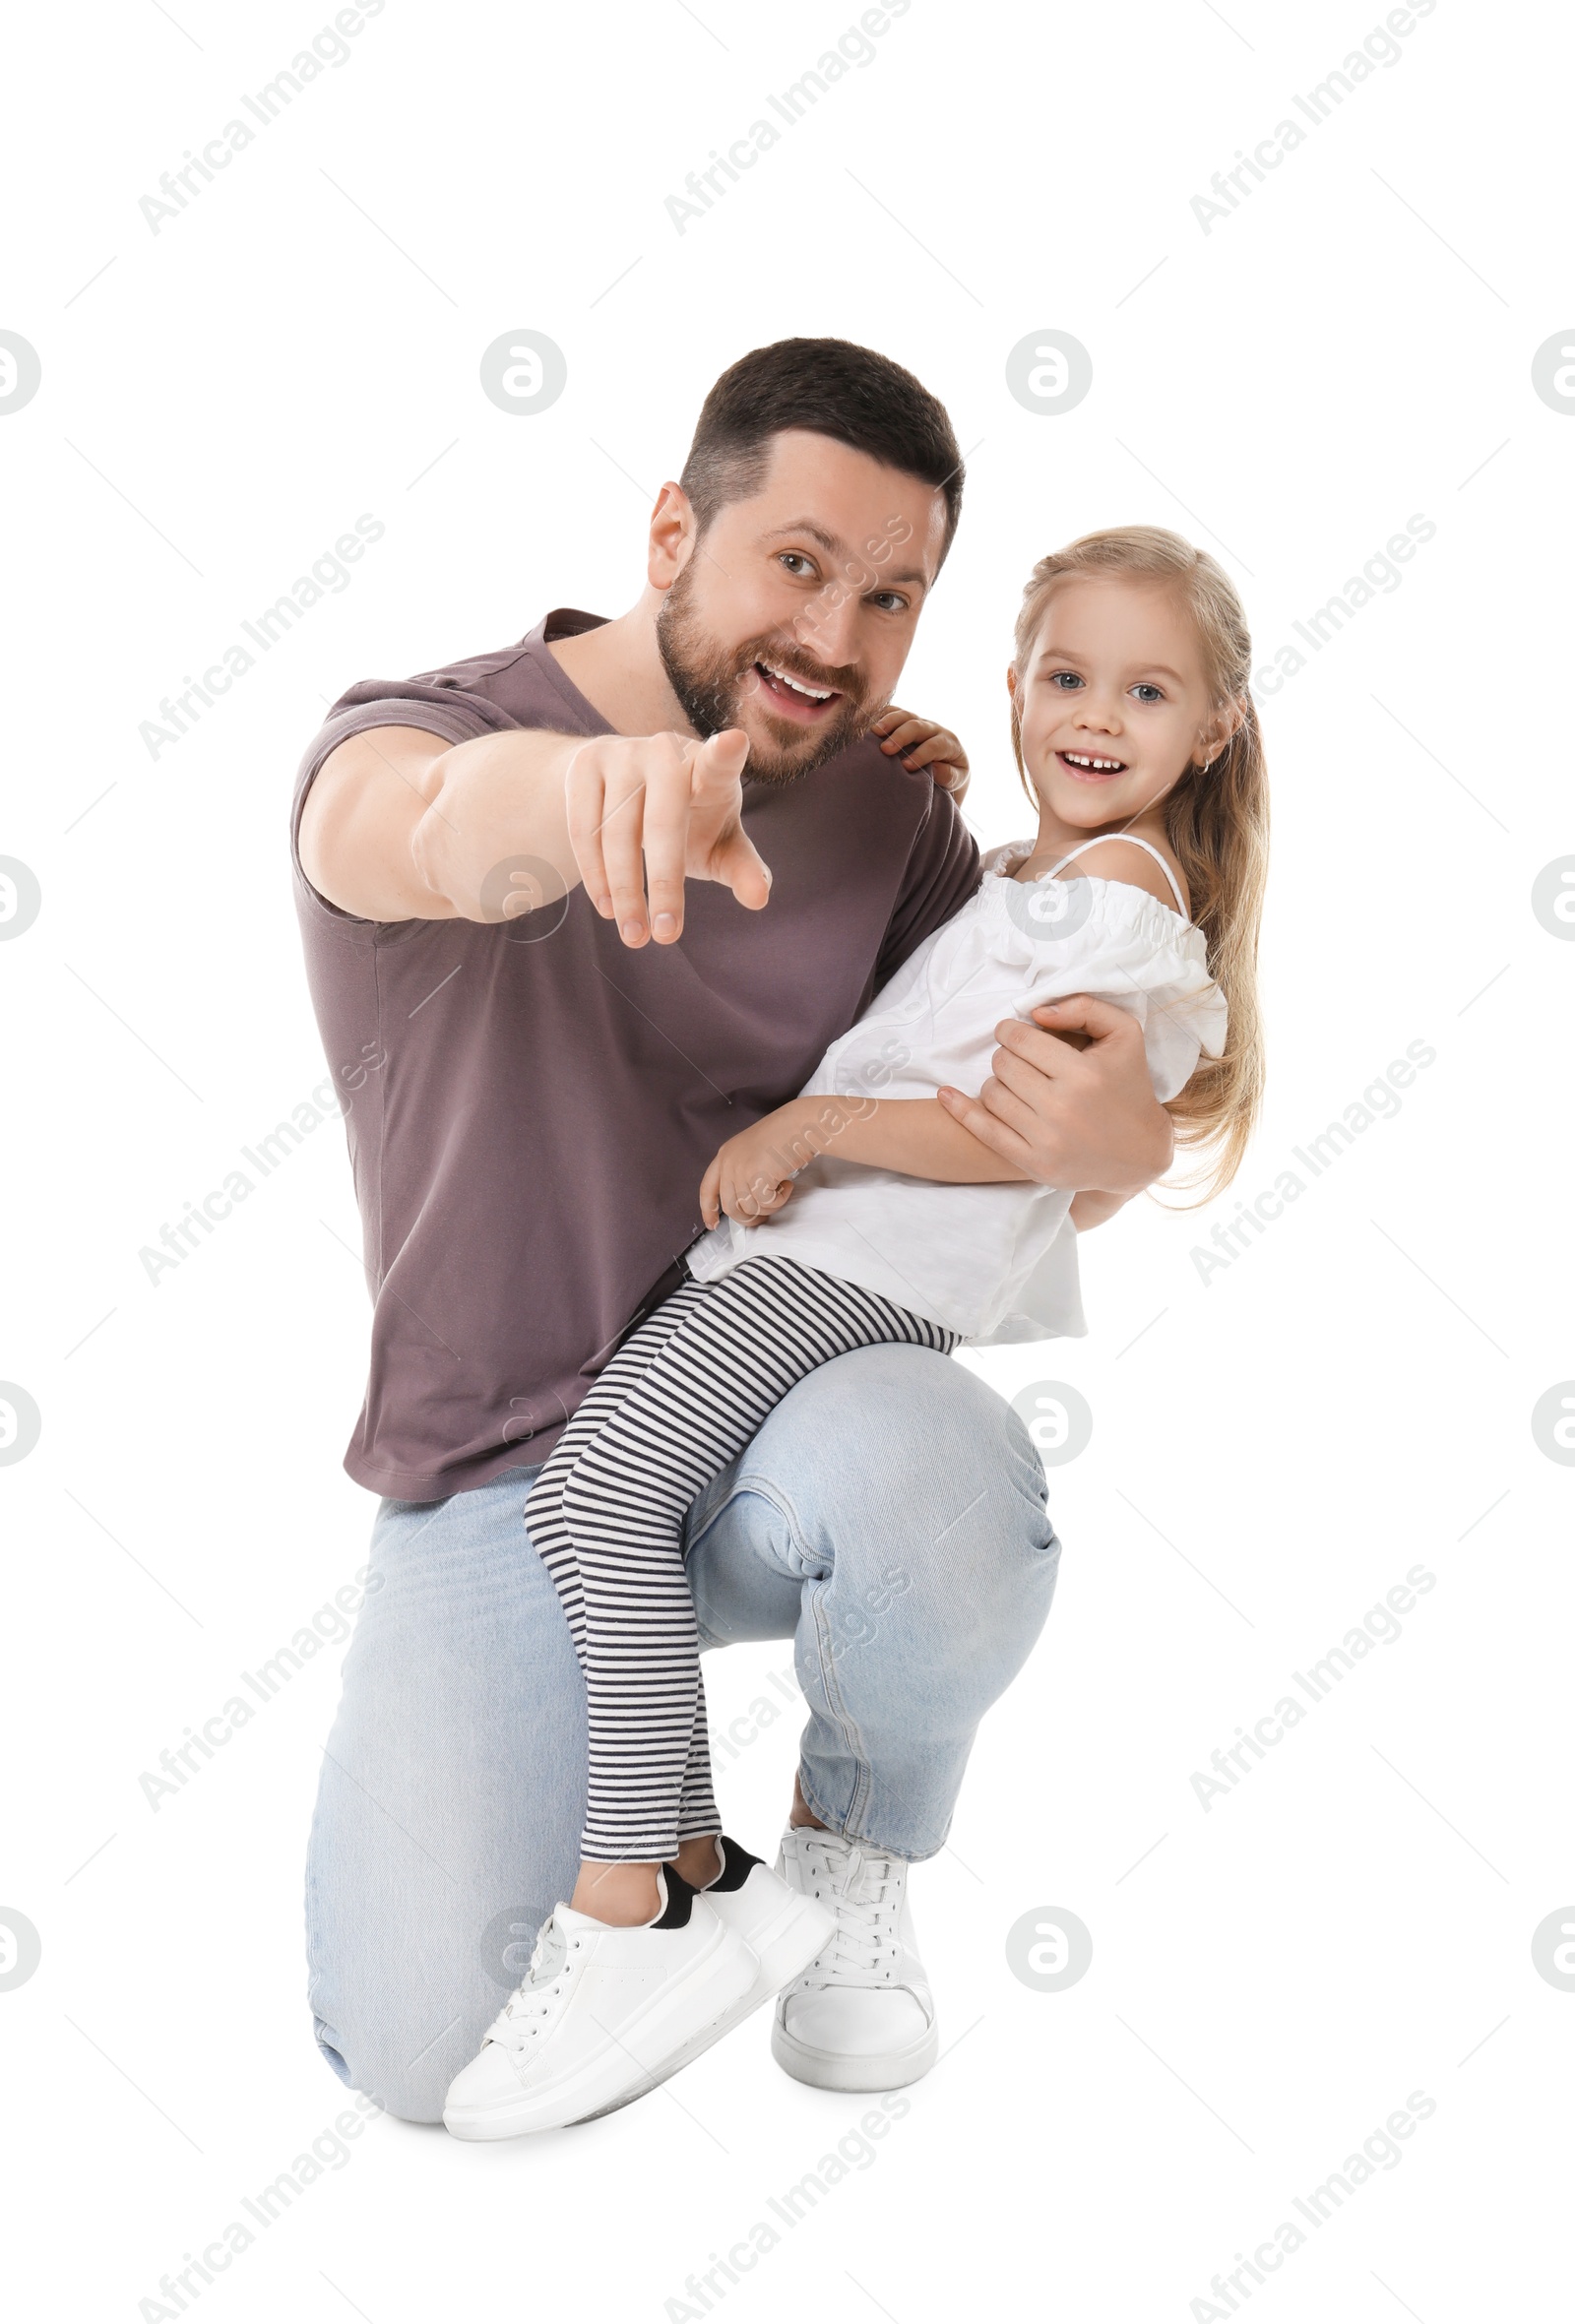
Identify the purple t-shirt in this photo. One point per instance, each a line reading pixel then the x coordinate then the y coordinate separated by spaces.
pixel 530 1105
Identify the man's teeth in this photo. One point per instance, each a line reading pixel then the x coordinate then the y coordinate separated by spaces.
pixel 1099 766
pixel 810 693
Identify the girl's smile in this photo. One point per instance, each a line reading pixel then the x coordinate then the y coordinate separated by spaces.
pixel 1086 770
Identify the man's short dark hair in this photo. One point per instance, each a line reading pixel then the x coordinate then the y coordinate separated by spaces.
pixel 832 388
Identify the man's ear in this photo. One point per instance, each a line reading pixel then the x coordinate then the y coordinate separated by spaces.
pixel 672 536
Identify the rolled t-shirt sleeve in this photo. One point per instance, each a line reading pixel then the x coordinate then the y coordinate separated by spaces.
pixel 448 711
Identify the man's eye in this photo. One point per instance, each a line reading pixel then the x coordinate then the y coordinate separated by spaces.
pixel 797 565
pixel 890 600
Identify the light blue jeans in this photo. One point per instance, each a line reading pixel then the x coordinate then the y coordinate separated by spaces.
pixel 889 1517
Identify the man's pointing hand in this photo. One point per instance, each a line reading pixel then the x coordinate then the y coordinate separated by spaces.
pixel 645 812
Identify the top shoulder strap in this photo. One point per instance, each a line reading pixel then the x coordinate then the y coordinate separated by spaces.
pixel 1132 841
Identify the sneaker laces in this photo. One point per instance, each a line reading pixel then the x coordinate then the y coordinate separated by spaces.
pixel 863 1888
pixel 531 2005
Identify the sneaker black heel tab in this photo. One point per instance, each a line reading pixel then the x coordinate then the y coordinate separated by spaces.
pixel 736 1865
pixel 678 1899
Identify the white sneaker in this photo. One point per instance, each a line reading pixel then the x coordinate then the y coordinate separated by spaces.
pixel 601 2011
pixel 861 2016
pixel 783 1926
pixel 783 1929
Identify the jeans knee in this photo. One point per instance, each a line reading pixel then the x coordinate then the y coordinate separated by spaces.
pixel 915 1442
pixel 411 2092
pixel 333 2058
pixel 415 2100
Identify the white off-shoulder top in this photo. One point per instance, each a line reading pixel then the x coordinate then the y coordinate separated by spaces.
pixel 994 1264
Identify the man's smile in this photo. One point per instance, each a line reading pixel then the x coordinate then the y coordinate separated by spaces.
pixel 796 697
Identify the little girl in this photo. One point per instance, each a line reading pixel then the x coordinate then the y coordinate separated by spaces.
pixel 865 1212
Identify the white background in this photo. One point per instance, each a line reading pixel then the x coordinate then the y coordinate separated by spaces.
pixel 1347 1398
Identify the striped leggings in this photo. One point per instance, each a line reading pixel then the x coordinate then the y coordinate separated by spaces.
pixel 682 1397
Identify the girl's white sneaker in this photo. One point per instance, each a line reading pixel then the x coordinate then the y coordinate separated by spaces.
pixel 783 1929
pixel 602 2013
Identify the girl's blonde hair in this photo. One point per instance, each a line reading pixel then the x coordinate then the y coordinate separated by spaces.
pixel 1215 819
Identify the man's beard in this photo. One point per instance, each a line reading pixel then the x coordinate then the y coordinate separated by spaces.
pixel 712 681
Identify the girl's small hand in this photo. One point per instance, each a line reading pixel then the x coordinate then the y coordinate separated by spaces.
pixel 752 1175
pixel 921 743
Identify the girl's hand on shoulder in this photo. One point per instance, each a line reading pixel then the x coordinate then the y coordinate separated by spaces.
pixel 751 1177
pixel 920 742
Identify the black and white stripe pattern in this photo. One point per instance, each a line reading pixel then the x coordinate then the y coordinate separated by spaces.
pixel 681 1399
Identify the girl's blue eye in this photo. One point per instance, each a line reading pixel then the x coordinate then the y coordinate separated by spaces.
pixel 1067 679
pixel 1147 693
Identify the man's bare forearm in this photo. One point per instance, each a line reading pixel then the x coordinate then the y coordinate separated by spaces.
pixel 398 826
pixel 493 837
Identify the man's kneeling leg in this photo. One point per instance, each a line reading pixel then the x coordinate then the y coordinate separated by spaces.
pixel 451 1796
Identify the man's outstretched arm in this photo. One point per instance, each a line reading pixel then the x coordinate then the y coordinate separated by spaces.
pixel 400 826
